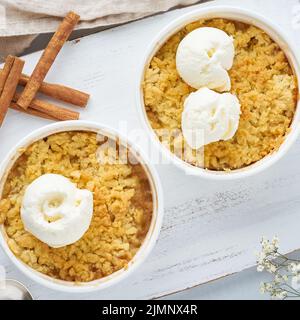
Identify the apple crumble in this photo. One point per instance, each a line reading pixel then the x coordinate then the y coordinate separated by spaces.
pixel 122 213
pixel 261 78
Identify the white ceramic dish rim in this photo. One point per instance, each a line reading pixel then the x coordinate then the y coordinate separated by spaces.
pixel 238 14
pixel 152 234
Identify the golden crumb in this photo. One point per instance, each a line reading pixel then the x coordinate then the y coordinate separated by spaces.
pixel 122 208
pixel 262 79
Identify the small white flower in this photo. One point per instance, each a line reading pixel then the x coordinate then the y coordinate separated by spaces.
pixel 269 267
pixel 298 267
pixel 260 268
pixel 285 277
pixel 281 295
pixel 292 268
pixel 262 288
pixel 275 242
pixel 272 268
pixel 268 287
pixel 278 278
pixel 296 282
pixel 265 287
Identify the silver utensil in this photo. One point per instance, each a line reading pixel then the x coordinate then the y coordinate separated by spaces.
pixel 14 290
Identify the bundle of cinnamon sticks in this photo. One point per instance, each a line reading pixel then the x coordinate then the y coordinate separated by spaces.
pixel 25 101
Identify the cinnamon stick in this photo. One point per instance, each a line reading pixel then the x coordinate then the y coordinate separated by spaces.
pixel 56 112
pixel 32 112
pixel 60 92
pixel 5 72
pixel 10 87
pixel 53 48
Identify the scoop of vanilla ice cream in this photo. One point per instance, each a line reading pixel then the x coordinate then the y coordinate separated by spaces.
pixel 209 116
pixel 203 58
pixel 55 211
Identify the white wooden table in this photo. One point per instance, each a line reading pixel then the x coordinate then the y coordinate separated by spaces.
pixel 211 229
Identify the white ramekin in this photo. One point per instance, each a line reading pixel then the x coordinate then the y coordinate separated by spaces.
pixel 237 14
pixel 151 236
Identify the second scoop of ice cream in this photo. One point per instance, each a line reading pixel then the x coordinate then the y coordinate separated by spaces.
pixel 203 58
pixel 209 116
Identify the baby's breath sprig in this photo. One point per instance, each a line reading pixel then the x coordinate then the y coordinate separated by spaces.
pixel 286 271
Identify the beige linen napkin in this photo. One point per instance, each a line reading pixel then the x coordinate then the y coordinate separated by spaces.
pixel 22 20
